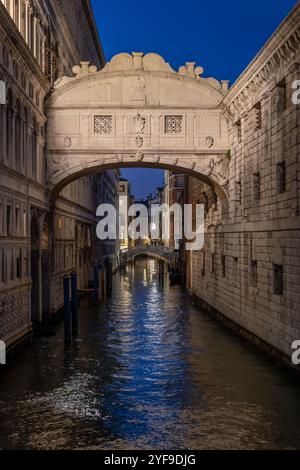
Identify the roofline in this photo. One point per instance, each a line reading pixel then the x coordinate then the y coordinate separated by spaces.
pixel 94 30
pixel 264 53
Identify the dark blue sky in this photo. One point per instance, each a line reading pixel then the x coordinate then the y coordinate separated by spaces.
pixel 222 36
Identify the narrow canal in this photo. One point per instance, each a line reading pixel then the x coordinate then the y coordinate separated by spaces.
pixel 148 371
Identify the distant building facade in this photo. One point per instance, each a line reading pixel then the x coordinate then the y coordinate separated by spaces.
pixel 125 201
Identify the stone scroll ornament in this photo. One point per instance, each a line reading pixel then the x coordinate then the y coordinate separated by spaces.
pixel 58 165
pixel 219 168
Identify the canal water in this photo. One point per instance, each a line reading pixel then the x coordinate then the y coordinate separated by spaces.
pixel 148 371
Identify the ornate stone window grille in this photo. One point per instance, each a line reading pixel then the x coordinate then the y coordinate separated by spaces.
pixel 103 124
pixel 173 124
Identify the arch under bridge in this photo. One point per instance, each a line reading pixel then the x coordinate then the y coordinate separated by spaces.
pixel 159 252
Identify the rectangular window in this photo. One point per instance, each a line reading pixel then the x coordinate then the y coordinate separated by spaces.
pixel 238 128
pixel 282 96
pixel 256 187
pixel 277 279
pixel 173 124
pixel 253 273
pixel 1 218
pixel 238 191
pixel 257 116
pixel 19 264
pixel 281 177
pixel 203 263
pixel 25 223
pixel 212 263
pixel 8 221
pixel 25 262
pixel 103 124
pixel 235 265
pixel 2 266
pixel 17 221
pixel 10 264
pixel 223 265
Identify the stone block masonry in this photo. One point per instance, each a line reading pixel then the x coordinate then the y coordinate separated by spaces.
pixel 249 269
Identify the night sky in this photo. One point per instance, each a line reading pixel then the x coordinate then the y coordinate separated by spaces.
pixel 222 36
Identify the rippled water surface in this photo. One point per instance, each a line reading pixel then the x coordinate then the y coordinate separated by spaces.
pixel 148 371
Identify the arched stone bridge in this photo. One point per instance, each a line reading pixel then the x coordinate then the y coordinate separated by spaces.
pixel 137 112
pixel 152 251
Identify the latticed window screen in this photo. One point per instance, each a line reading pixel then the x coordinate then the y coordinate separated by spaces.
pixel 173 124
pixel 103 124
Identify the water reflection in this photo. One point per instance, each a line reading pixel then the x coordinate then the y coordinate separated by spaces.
pixel 147 371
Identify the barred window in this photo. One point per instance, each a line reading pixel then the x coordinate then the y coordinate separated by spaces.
pixel 173 124
pixel 238 130
pixel 103 124
pixel 223 265
pixel 257 116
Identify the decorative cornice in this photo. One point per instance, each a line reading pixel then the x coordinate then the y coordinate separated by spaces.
pixel 22 48
pixel 280 52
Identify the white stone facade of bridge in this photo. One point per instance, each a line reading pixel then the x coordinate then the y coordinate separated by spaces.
pixel 137 112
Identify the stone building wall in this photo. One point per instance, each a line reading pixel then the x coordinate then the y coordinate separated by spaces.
pixel 249 269
pixel 38 43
